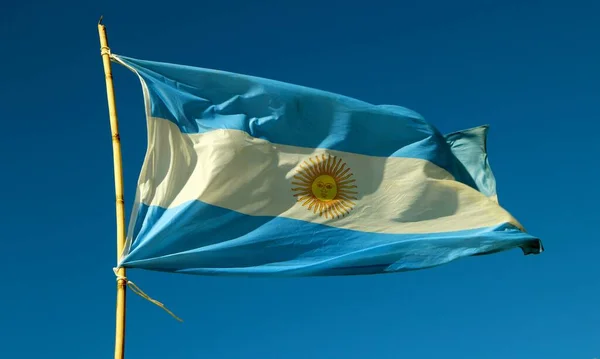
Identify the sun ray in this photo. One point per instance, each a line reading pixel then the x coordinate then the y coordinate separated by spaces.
pixel 300 199
pixel 344 178
pixel 302 176
pixel 347 189
pixel 306 178
pixel 334 169
pixel 330 161
pixel 303 183
pixel 347 203
pixel 344 209
pixel 300 182
pixel 300 190
pixel 340 209
pixel 332 211
pixel 305 170
pixel 347 194
pixel 313 167
pixel 305 166
pixel 334 208
pixel 301 195
pixel 309 202
pixel 319 162
pixel 340 175
pixel 347 182
pixel 339 170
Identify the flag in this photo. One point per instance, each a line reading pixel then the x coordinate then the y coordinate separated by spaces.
pixel 251 176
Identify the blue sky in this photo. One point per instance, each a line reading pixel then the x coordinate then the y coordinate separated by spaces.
pixel 529 69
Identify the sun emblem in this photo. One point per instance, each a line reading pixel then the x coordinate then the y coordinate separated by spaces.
pixel 324 184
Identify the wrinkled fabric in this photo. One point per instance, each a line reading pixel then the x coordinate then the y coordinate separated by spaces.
pixel 250 176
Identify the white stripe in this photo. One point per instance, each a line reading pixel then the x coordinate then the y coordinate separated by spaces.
pixel 230 169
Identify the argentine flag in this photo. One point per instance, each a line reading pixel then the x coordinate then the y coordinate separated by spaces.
pixel 249 176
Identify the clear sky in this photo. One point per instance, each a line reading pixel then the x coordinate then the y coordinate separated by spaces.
pixel 529 69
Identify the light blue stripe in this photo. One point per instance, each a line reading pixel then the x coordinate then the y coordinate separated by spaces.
pixel 470 148
pixel 198 238
pixel 199 100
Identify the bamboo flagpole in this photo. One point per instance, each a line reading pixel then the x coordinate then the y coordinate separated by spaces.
pixel 120 203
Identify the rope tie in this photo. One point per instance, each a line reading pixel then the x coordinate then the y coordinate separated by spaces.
pixel 105 50
pixel 134 288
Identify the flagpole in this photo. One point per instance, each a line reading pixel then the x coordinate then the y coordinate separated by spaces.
pixel 120 203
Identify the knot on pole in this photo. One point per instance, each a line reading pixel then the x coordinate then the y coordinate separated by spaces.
pixel 134 288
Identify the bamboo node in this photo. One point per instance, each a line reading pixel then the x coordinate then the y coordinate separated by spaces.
pixel 105 50
pixel 134 288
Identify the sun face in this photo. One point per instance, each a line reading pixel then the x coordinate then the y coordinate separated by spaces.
pixel 324 184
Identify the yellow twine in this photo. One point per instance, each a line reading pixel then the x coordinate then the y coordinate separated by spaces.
pixel 134 288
